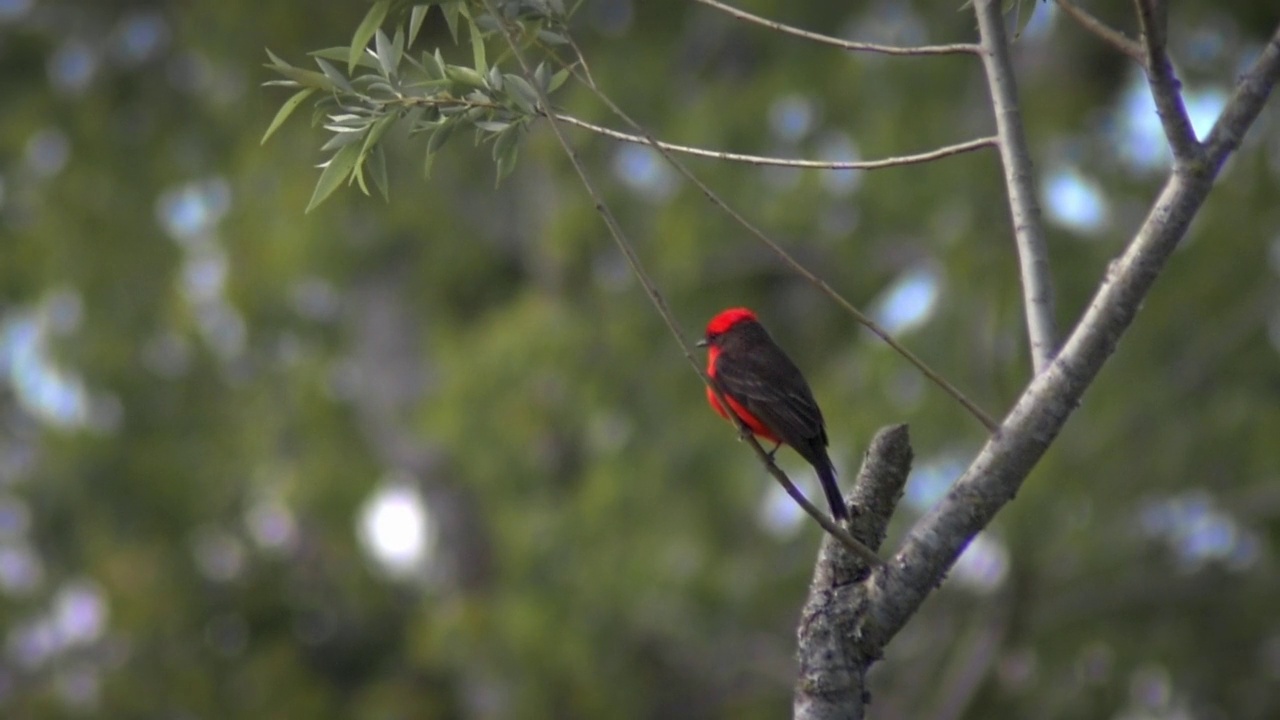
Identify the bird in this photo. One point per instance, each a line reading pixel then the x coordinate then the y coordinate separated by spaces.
pixel 768 393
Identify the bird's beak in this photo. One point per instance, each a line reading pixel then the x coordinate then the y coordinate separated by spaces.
pixel 702 343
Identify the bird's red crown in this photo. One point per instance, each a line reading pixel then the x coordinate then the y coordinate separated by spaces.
pixel 727 319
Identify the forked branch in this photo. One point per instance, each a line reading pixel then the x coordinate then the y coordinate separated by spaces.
pixel 993 478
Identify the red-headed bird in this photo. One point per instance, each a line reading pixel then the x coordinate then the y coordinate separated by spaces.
pixel 767 393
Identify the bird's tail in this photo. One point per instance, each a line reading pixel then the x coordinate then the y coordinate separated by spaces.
pixel 827 476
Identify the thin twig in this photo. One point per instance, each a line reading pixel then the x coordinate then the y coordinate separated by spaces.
pixel 1109 35
pixel 896 161
pixel 786 257
pixel 615 229
pixel 1028 230
pixel 952 49
pixel 785 162
pixel 1165 86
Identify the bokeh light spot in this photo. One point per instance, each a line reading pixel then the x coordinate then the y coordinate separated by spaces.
pixel 396 529
pixel 1075 201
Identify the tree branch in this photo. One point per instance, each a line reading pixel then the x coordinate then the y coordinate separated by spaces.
pixel 1165 87
pixel 832 675
pixel 952 49
pixel 1033 254
pixel 896 161
pixel 1116 39
pixel 1004 462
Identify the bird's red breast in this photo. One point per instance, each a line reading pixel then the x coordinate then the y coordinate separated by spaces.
pixel 751 421
pixel 717 326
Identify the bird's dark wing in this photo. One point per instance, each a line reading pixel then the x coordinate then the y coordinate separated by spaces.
pixel 767 383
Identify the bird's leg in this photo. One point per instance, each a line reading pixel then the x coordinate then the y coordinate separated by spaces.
pixel 774 451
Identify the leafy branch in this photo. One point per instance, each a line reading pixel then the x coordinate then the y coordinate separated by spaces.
pixel 385 83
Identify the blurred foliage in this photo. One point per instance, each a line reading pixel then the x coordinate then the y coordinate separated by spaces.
pixel 208 394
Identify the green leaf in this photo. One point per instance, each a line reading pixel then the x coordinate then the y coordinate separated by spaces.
pixel 306 78
pixel 397 48
pixel 477 49
pixel 440 137
pixel 522 92
pixel 332 73
pixel 285 111
pixel 416 16
pixel 451 12
pixel 382 46
pixel 557 80
pixel 434 65
pixel 357 176
pixel 378 169
pixel 509 136
pixel 276 62
pixel 552 38
pixel 379 128
pixel 339 54
pixel 368 26
pixel 335 171
pixel 427 162
pixel 465 75
pixel 343 139
pixel 505 150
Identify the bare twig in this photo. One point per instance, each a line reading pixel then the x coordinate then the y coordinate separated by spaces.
pixel 1165 87
pixel 615 229
pixel 786 257
pixel 1003 464
pixel 1105 32
pixel 896 161
pixel 1033 253
pixel 952 49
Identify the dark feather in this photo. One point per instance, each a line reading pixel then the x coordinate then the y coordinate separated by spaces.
pixel 754 371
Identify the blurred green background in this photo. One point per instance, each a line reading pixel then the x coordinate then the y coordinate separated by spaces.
pixel 439 457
